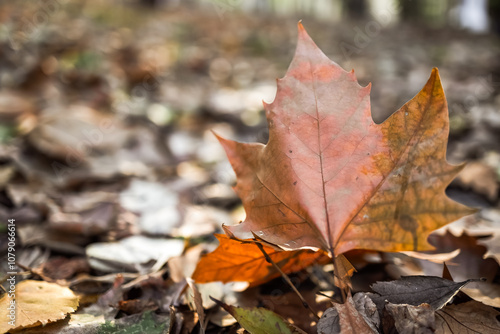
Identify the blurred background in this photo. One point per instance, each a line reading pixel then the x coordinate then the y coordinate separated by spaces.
pixel 107 107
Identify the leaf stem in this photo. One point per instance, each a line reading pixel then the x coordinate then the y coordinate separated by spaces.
pixel 287 279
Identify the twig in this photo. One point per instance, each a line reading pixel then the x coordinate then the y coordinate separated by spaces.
pixel 21 273
pixel 287 279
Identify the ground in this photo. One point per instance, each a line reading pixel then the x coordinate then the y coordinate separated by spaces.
pixel 108 163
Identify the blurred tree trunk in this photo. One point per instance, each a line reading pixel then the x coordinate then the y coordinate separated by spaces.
pixel 494 12
pixel 410 10
pixel 355 9
pixel 429 12
pixel 159 3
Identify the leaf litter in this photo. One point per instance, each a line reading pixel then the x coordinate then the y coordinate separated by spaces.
pixel 86 143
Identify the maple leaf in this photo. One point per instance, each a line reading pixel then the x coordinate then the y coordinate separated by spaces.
pixel 237 261
pixel 331 178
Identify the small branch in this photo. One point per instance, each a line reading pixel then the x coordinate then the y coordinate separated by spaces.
pixel 20 273
pixel 287 279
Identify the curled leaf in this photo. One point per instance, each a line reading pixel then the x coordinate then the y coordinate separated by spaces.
pixel 417 290
pixel 412 319
pixel 346 319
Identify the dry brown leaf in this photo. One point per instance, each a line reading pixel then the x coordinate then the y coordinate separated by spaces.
pixel 484 224
pixel 417 290
pixel 434 257
pixel 198 302
pixel 468 264
pixel 13 104
pixel 492 244
pixel 487 293
pixel 468 318
pixel 63 268
pixel 345 319
pixel 73 132
pixel 481 178
pixel 481 224
pixel 412 319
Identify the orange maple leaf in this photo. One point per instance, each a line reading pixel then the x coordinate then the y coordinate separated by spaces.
pixel 331 178
pixel 235 261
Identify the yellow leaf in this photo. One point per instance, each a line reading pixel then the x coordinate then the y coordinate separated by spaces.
pixel 35 303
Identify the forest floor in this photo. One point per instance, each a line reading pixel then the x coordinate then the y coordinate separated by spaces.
pixel 106 120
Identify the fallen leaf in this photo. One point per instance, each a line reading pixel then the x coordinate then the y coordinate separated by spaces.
pixel 75 324
pixel 36 303
pixel 469 264
pixel 198 302
pixel 13 104
pixel 156 203
pixel 183 266
pixel 433 257
pixel 171 296
pixel 331 178
pixel 135 306
pixel 282 300
pixel 481 224
pixel 236 261
pixel 85 213
pixel 7 172
pixel 107 302
pixel 259 320
pixel 345 319
pixel 63 268
pixel 201 220
pixel 329 322
pixel 470 317
pixel 365 306
pixel 493 245
pixel 487 293
pixel 72 132
pixel 132 252
pixel 412 319
pixel 482 178
pixel 417 290
pixel 484 224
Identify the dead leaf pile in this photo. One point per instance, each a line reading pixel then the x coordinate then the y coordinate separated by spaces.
pixel 117 184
